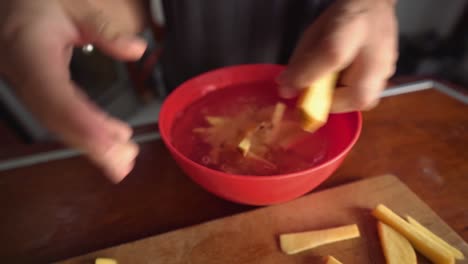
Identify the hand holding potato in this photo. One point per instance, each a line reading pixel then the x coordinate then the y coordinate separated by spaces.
pixel 357 38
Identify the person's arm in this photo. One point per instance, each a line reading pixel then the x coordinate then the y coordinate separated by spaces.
pixel 357 38
pixel 36 42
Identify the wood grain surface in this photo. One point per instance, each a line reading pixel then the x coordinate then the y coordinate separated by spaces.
pixel 253 237
pixel 65 208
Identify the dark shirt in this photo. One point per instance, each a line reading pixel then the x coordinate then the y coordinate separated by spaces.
pixel 202 35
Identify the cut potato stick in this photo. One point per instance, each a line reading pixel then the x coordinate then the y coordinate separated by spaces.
pixel 200 130
pixel 245 145
pixel 332 260
pixel 215 120
pixel 454 251
pixel 278 114
pixel 261 159
pixel 311 125
pixel 264 132
pixel 276 118
pixel 296 242
pixel 315 102
pixel 396 248
pixel 105 261
pixel 426 246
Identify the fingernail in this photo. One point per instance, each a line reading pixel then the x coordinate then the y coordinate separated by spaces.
pixel 120 173
pixel 118 160
pixel 126 153
pixel 287 92
pixel 120 131
pixel 133 44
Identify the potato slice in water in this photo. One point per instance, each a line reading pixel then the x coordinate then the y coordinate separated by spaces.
pixel 215 120
pixel 396 248
pixel 315 102
pixel 264 132
pixel 276 118
pixel 246 142
pixel 245 145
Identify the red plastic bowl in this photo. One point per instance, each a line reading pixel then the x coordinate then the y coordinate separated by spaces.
pixel 253 190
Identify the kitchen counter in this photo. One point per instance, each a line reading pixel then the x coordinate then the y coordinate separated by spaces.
pixel 64 207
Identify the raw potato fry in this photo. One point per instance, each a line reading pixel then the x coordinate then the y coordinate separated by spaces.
pixel 275 121
pixel 200 130
pixel 428 247
pixel 273 126
pixel 260 159
pixel 454 251
pixel 396 248
pixel 314 103
pixel 246 142
pixel 296 242
pixel 105 261
pixel 278 114
pixel 245 145
pixel 332 260
pixel 215 120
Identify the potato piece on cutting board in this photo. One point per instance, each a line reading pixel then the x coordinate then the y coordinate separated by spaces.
pixel 332 260
pixel 454 251
pixel 315 102
pixel 425 245
pixel 297 242
pixel 105 261
pixel 396 248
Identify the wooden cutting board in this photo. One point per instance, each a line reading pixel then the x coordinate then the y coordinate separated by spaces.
pixel 252 237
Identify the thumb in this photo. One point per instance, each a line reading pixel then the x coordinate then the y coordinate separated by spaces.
pixel 96 28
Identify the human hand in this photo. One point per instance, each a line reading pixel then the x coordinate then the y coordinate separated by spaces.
pixel 36 43
pixel 357 38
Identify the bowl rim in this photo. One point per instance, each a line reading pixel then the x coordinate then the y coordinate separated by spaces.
pixel 165 137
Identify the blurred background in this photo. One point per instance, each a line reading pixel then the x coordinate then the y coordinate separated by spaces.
pixel 433 44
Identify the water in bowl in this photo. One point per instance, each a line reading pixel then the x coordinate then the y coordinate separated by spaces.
pixel 210 130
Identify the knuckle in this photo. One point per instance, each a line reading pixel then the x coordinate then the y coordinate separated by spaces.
pixel 98 23
pixel 332 51
pixel 97 19
pixel 363 102
pixel 15 31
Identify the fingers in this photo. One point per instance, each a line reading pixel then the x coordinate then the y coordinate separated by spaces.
pixel 357 39
pixel 49 93
pixel 361 84
pixel 329 45
pixel 106 140
pixel 112 39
